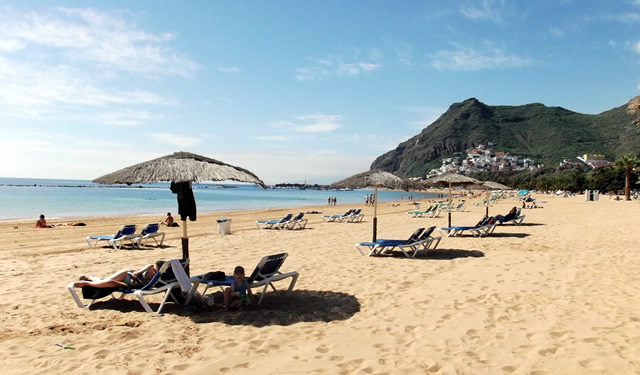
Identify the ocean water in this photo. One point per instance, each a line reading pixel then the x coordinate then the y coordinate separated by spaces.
pixel 22 198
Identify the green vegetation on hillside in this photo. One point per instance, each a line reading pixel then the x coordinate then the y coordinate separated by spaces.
pixel 545 134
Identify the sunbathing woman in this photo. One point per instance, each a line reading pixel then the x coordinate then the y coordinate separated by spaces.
pixel 124 278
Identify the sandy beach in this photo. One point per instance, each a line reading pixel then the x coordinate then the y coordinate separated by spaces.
pixel 556 295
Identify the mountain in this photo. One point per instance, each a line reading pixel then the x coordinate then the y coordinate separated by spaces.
pixel 545 134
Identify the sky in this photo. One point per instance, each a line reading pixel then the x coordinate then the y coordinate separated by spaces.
pixel 294 91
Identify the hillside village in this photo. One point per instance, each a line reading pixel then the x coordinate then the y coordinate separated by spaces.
pixel 485 158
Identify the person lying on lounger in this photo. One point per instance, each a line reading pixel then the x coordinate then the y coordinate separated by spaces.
pixel 510 216
pixel 124 278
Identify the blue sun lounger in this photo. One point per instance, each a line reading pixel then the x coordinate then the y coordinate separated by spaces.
pixel 383 245
pixel 165 280
pixel 150 231
pixel 126 232
pixel 268 224
pixel 265 274
pixel 476 231
pixel 340 218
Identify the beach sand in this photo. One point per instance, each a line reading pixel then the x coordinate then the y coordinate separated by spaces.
pixel 556 295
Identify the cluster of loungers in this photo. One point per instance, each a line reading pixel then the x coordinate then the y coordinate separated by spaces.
pixel 128 233
pixel 486 226
pixel 434 210
pixel 172 278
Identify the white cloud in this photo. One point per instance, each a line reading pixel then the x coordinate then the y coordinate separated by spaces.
pixel 311 74
pixel 96 37
pixel 636 47
pixel 304 124
pixel 339 66
pixel 631 17
pixel 638 86
pixel 489 10
pixel 66 63
pixel 229 69
pixel 318 123
pixel 10 45
pixel 175 139
pixel 470 59
pixel 127 118
pixel 348 69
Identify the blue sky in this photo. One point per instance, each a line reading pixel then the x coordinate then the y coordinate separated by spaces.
pixel 292 90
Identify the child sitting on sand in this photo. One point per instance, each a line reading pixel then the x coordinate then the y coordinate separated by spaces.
pixel 238 293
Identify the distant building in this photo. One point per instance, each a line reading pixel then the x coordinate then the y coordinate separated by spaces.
pixel 594 160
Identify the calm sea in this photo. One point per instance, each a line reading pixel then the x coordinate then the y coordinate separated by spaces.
pixel 22 198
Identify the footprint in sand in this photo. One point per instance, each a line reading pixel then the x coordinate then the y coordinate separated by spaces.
pixel 322 349
pixel 558 334
pixel 548 351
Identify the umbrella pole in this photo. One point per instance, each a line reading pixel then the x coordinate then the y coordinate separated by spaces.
pixel 486 212
pixel 375 213
pixel 185 243
pixel 450 203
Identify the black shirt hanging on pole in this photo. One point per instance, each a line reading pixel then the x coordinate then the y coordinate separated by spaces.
pixel 186 201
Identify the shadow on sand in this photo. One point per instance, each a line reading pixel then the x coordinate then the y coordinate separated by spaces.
pixel 442 254
pixel 516 235
pixel 279 308
pixel 286 308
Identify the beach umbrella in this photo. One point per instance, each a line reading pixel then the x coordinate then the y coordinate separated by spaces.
pixel 491 185
pixel 451 179
pixel 181 169
pixel 374 179
pixel 523 192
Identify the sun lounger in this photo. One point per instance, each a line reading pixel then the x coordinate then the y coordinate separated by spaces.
pixel 355 217
pixel 150 231
pixel 126 232
pixel 381 246
pixel 423 243
pixel 297 222
pixel 516 219
pixel 476 231
pixel 265 274
pixel 269 224
pixel 164 281
pixel 339 218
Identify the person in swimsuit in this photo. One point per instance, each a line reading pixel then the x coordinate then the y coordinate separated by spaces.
pixel 168 221
pixel 42 223
pixel 124 278
pixel 238 293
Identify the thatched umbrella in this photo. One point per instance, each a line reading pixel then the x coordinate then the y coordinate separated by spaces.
pixel 181 169
pixel 451 179
pixel 375 179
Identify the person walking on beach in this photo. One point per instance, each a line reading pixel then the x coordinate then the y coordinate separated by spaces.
pixel 238 293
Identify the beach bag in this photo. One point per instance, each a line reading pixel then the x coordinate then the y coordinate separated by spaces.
pixel 216 276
